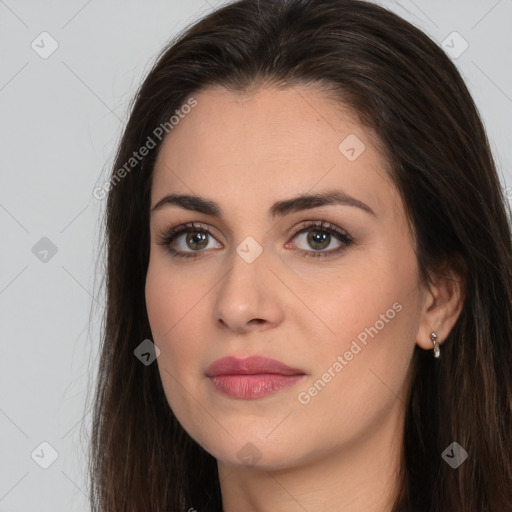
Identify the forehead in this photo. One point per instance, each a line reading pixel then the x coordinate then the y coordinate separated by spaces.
pixel 267 141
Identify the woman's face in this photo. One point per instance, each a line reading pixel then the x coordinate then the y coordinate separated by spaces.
pixel 257 275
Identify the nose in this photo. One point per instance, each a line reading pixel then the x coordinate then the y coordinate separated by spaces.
pixel 249 297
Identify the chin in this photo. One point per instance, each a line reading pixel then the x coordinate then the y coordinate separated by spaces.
pixel 247 450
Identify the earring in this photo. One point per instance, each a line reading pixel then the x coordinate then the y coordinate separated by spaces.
pixel 437 352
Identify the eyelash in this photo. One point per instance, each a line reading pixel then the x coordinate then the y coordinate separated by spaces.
pixel 171 233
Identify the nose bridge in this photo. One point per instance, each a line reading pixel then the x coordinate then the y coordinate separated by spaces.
pixel 245 293
pixel 241 285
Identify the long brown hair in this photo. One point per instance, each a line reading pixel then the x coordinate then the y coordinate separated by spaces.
pixel 403 86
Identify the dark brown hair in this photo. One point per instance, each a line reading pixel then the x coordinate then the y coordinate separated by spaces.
pixel 402 86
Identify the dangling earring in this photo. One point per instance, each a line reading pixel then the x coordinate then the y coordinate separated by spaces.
pixel 437 352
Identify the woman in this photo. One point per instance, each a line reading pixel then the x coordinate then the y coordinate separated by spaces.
pixel 309 288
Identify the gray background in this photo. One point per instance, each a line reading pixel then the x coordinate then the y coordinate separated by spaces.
pixel 61 118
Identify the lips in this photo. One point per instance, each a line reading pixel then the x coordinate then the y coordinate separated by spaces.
pixel 251 377
pixel 253 365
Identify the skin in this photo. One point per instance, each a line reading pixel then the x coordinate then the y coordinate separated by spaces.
pixel 342 449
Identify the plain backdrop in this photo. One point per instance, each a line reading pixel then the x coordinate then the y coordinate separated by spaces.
pixel 68 71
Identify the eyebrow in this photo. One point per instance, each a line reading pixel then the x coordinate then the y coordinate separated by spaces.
pixel 278 209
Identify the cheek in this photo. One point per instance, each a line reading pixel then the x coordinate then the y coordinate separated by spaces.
pixel 356 384
pixel 176 305
pixel 369 319
pixel 170 304
pixel 360 302
pixel 169 298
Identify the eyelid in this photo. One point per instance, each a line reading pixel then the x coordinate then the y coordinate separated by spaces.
pixel 322 224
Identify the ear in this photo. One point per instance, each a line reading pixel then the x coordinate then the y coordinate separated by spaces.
pixel 443 301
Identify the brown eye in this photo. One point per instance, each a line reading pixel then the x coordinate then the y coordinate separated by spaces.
pixel 316 237
pixel 197 240
pixel 187 240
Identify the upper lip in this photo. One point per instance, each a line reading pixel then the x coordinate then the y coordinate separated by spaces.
pixel 252 365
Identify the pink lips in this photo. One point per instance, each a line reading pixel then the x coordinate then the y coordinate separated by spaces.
pixel 251 377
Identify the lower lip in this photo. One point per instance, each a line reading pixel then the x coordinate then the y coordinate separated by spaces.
pixel 253 386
